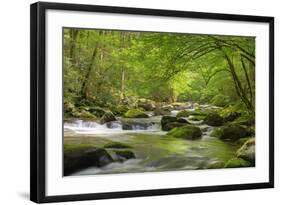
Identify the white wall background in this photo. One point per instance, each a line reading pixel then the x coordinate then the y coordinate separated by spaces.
pixel 14 100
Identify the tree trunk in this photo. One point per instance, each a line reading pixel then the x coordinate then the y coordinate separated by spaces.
pixel 84 90
pixel 72 52
pixel 238 86
pixel 122 96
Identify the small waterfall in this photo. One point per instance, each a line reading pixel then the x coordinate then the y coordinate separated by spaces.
pixel 114 127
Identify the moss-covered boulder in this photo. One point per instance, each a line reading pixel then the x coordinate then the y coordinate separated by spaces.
pixel 107 117
pixel 170 122
pixel 171 125
pixel 80 156
pixel 124 155
pixel 184 113
pixel 230 132
pixel 135 113
pixel 247 151
pixel 213 119
pixel 146 104
pixel 188 132
pixel 237 162
pixel 196 112
pixel 230 113
pixel 116 145
pixel 162 110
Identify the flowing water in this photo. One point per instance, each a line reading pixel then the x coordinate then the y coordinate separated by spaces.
pixel 154 150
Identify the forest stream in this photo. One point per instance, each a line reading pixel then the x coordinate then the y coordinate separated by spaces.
pixel 153 149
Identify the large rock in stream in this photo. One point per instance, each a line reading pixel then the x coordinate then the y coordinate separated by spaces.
pixel 77 157
pixel 230 132
pixel 247 151
pixel 245 156
pixel 146 104
pixel 124 155
pixel 188 132
pixel 213 119
pixel 135 113
pixel 169 122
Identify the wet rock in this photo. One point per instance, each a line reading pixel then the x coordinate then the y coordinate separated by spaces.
pixel 161 111
pixel 124 155
pixel 146 104
pixel 170 125
pixel 230 132
pixel 169 122
pixel 78 157
pixel 133 125
pixel 213 119
pixel 188 132
pixel 247 151
pixel 197 112
pixel 117 145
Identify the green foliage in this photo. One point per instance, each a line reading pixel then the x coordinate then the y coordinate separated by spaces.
pixel 220 100
pixel 107 68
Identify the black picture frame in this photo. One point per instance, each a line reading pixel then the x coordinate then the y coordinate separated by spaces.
pixel 38 101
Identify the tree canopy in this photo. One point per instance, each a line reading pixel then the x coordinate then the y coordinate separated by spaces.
pixel 108 68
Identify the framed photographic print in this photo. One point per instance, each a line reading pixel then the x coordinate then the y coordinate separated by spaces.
pixel 129 102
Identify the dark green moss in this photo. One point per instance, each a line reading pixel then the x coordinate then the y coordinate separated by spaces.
pixel 117 145
pixel 237 162
pixel 213 119
pixel 171 125
pixel 125 154
pixel 230 132
pixel 79 156
pixel 188 132
pixel 135 113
